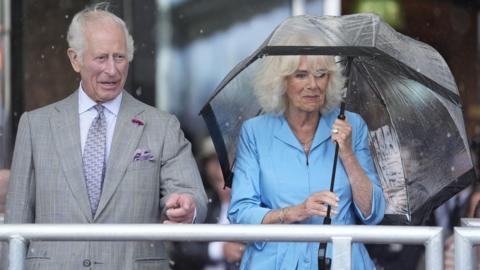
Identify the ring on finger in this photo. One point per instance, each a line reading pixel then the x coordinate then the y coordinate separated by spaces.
pixel 335 130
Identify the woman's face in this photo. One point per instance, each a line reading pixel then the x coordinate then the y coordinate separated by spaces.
pixel 306 88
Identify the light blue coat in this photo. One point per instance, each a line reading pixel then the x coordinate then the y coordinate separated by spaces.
pixel 272 171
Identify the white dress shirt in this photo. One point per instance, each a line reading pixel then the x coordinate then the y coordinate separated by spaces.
pixel 87 113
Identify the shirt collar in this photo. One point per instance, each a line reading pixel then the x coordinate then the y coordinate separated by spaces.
pixel 85 102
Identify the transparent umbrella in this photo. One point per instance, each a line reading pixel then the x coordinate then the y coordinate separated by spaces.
pixel 401 87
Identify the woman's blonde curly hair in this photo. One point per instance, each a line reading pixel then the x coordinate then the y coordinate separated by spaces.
pixel 269 83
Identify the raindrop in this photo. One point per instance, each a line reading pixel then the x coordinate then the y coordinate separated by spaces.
pixel 449 135
pixel 138 92
pixel 42 56
pixel 181 16
pixel 240 118
pixel 66 16
pixel 227 124
pixel 152 245
pixel 201 31
pixel 209 200
pixel 53 47
pixel 452 168
pixel 418 70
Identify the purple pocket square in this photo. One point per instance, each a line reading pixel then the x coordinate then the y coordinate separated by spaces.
pixel 143 154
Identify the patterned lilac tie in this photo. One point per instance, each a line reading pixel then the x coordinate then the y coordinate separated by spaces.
pixel 94 158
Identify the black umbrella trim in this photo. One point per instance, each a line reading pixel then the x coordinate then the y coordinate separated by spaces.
pixel 218 142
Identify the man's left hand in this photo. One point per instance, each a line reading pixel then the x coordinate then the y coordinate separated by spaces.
pixel 180 208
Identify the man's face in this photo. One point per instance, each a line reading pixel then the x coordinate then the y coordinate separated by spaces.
pixel 104 67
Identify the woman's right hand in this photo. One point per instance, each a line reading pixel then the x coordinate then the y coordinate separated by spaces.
pixel 316 204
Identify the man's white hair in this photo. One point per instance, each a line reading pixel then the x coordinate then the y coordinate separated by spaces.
pixel 99 11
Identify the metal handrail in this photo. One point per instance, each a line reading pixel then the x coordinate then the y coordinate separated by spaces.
pixel 470 222
pixel 341 236
pixel 465 238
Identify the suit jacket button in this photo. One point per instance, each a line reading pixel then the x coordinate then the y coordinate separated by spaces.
pixel 87 263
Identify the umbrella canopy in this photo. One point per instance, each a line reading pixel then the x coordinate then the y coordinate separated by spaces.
pixel 401 87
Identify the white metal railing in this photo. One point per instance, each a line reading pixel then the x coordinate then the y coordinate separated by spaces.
pixel 341 236
pixel 465 238
pixel 470 222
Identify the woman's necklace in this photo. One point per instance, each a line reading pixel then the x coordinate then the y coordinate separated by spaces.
pixel 306 144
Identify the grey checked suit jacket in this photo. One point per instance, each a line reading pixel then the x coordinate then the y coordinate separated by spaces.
pixel 47 183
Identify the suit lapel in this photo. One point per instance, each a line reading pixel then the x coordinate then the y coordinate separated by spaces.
pixel 66 136
pixel 125 140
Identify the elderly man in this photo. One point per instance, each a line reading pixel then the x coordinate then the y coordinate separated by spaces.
pixel 101 156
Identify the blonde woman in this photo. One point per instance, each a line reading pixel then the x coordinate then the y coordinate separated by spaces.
pixel 284 161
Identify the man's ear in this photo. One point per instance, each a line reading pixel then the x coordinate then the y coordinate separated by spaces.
pixel 74 59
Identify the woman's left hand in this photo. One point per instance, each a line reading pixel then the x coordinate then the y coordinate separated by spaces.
pixel 359 181
pixel 342 134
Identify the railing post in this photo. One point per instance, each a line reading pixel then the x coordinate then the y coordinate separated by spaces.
pixel 342 253
pixel 434 252
pixel 17 252
pixel 463 252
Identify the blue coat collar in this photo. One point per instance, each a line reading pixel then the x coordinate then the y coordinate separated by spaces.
pixel 284 133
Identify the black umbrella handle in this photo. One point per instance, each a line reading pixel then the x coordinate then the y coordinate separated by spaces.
pixel 322 262
pixel 327 220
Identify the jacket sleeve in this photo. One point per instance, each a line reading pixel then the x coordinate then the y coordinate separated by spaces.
pixel 20 206
pixel 362 152
pixel 246 207
pixel 179 172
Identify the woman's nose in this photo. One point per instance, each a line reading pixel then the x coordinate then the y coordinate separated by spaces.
pixel 312 82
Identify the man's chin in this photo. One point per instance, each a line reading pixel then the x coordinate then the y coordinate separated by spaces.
pixel 108 95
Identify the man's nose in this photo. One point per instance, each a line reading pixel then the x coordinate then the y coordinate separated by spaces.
pixel 110 67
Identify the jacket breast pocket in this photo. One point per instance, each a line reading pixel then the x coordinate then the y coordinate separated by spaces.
pixel 141 165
